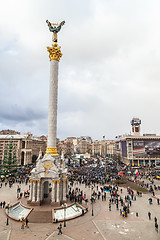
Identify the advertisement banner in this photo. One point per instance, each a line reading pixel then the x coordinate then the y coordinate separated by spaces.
pixel 146 148
pixel 124 148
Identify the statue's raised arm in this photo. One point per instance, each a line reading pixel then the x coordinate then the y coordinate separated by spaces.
pixel 60 25
pixel 54 29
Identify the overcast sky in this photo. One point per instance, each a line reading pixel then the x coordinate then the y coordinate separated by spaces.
pixel 109 72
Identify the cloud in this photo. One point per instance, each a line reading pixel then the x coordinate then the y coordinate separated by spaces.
pixel 108 74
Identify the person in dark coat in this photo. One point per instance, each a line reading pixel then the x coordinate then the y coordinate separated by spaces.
pixel 149 215
pixel 156 227
pixel 27 222
pixel 60 229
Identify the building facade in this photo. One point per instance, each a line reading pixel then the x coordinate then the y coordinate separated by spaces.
pixel 26 145
pixel 139 150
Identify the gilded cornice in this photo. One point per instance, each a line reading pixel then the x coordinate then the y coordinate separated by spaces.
pixel 52 151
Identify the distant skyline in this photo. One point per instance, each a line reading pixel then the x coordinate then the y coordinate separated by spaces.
pixel 108 74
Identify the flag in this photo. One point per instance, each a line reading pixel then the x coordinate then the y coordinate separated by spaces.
pixel 106 191
pixel 103 137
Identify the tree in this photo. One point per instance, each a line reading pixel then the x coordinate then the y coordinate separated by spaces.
pixel 9 165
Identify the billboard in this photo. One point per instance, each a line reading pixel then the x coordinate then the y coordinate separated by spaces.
pixel 135 122
pixel 124 148
pixel 146 148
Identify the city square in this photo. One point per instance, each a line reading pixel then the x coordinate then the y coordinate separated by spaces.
pixel 71 164
pixel 104 224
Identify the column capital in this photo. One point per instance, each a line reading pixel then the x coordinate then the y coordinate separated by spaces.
pixel 54 181
pixel 64 180
pixel 58 181
pixel 54 53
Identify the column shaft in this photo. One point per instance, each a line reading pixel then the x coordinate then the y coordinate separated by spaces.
pixel 57 192
pixel 33 194
pixel 38 191
pixel 52 111
pixel 64 190
pixel 53 192
pixel 31 189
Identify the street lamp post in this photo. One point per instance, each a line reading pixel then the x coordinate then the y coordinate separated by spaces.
pixel 7 223
pixel 65 205
pixel 92 209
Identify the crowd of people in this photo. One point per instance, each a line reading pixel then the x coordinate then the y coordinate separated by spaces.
pixel 100 177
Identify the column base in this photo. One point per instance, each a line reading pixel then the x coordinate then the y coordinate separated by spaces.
pixel 34 203
pixel 55 204
pixel 64 201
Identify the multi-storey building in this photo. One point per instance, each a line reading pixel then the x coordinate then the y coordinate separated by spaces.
pixel 82 146
pixel 102 148
pixel 8 132
pixel 139 150
pixel 68 146
pixel 96 148
pixel 27 147
pixel 110 148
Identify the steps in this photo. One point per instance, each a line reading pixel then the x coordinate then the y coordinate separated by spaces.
pixel 40 217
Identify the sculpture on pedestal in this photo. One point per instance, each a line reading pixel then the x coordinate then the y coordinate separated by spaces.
pixel 49 177
pixel 54 29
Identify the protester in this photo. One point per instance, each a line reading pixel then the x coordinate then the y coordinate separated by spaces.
pixel 22 223
pixel 149 215
pixel 60 229
pixel 27 222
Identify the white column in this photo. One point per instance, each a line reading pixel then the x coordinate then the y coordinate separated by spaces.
pixel 64 189
pixel 53 191
pixel 41 191
pixel 33 194
pixel 31 189
pixel 38 190
pixel 52 111
pixel 66 186
pixel 58 181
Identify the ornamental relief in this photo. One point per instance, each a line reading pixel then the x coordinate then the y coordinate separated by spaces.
pixel 47 166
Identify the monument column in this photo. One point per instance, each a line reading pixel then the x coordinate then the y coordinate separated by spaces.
pixel 54 56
